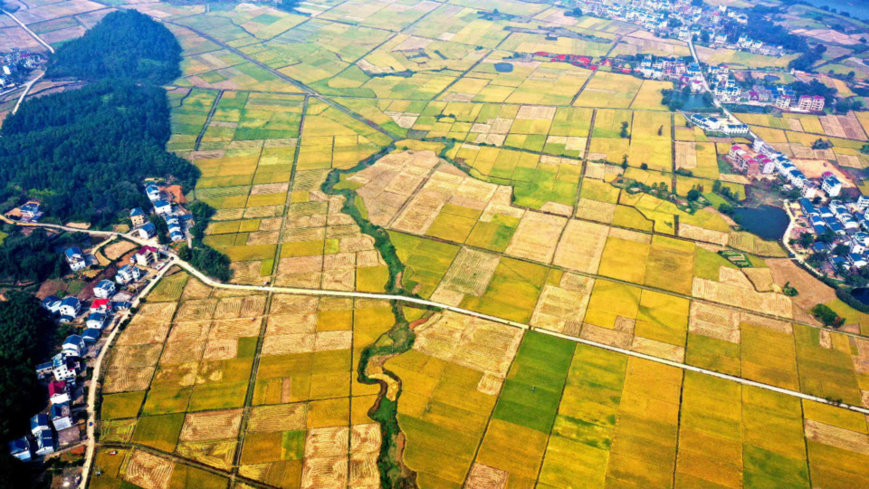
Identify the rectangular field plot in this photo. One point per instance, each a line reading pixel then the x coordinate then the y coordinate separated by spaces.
pixel 609 90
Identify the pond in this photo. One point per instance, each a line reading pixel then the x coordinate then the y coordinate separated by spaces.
pixel 696 102
pixel 504 67
pixel 766 221
pixel 861 294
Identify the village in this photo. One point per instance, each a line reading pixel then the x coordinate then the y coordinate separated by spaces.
pixel 115 281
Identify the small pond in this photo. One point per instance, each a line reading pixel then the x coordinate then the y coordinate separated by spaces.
pixel 861 294
pixel 504 67
pixel 766 221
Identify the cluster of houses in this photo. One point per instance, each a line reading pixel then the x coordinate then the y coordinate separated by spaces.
pixel 762 161
pixel 850 224
pixel 654 15
pixel 15 65
pixel 164 209
pixel 45 428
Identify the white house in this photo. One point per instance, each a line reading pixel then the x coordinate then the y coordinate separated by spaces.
pixel 58 392
pixel 51 304
pixel 104 289
pixel 70 306
pixel 147 231
pixel 162 207
pixel 831 185
pixel 60 416
pixel 127 274
pixel 153 192
pixel 96 320
pixel 39 423
pixel 145 257
pixel 44 443
pixel 20 449
pixel 73 346
pixel 75 258
pixel 64 368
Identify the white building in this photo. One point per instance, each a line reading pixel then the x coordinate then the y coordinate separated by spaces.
pixel 831 185
pixel 104 289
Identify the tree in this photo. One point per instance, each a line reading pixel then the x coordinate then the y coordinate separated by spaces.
pixel 841 250
pixel 162 228
pixel 126 45
pixel 625 162
pixel 644 166
pixel 693 195
pixel 660 130
pixel 827 316
pixel 25 329
pixel 624 132
pixel 805 240
pixel 85 152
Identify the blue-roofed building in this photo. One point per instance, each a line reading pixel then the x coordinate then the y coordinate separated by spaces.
pixel 137 217
pixel 162 207
pixel 61 415
pixel 51 304
pixel 39 423
pixel 75 258
pixel 73 346
pixel 44 443
pixel 147 231
pixel 153 192
pixel 20 449
pixel 104 289
pixel 91 335
pixel 44 369
pixel 807 206
pixel 70 306
pixel 176 236
pixel 96 320
pixel 836 261
pixel 819 247
pixel 857 260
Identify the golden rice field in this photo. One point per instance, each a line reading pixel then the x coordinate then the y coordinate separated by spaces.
pixel 492 186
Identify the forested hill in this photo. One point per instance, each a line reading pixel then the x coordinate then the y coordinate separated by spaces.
pixel 85 153
pixel 124 45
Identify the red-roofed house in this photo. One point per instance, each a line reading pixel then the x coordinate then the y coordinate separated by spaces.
pixel 100 305
pixel 146 256
pixel 58 392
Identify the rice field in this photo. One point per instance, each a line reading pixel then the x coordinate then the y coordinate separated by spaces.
pixel 495 191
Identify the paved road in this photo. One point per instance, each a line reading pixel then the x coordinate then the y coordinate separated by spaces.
pixel 35 36
pixel 26 91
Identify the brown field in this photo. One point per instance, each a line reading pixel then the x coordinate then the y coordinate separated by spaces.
pixel 843 126
pixel 658 349
pixel 837 437
pixel 135 356
pixel 475 343
pixel 283 417
pixel 561 308
pixel 363 471
pixel 811 290
pixel 471 272
pixel 301 322
pixel 686 155
pixel 194 289
pixel 715 322
pixel 761 278
pixel 117 250
pixel 196 310
pixel 217 454
pixel 325 473
pixel 189 331
pixel 485 477
pixel 148 471
pixel 212 425
pixel 536 237
pixel 697 233
pixel 581 246
pixel 127 379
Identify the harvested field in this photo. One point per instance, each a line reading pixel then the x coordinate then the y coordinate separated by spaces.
pixel 283 417
pixel 811 290
pixel 814 168
pixel 475 343
pixel 148 471
pixel 536 237
pixel 561 308
pixel 739 296
pixel 581 246
pixel 213 425
pixel 761 278
pixel 127 379
pixel 117 250
pixel 715 322
pixel 701 234
pixel 485 477
pixel 471 272
pixel 325 473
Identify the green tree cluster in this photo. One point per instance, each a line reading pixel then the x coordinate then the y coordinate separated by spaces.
pixel 85 152
pixel 30 258
pixel 125 45
pixel 827 316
